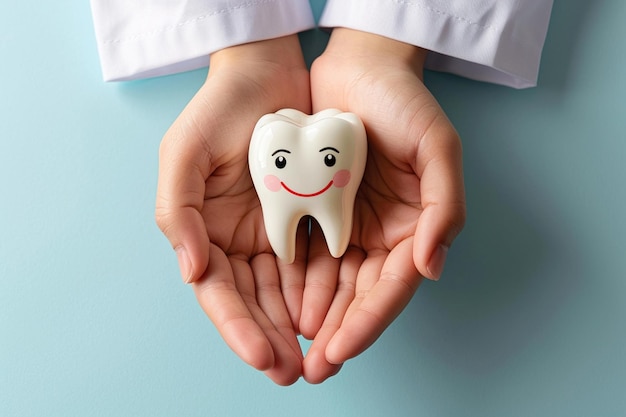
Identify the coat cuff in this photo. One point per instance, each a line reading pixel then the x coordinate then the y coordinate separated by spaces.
pixel 153 41
pixel 493 41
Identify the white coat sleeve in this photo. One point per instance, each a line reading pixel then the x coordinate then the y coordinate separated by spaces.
pixel 498 41
pixel 147 38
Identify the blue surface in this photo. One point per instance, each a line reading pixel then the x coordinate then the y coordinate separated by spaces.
pixel 528 320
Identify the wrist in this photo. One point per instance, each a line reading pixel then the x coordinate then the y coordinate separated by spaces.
pixel 356 44
pixel 284 52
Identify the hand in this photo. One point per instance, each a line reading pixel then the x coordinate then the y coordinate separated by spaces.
pixel 410 206
pixel 209 210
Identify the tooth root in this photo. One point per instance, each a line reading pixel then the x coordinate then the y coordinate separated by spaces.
pixel 281 227
pixel 289 164
pixel 336 224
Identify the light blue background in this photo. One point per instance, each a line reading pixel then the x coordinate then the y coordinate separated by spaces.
pixel 528 320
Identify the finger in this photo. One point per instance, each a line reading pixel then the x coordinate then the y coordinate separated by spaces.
pixel 367 277
pixel 222 301
pixel 292 275
pixel 270 298
pixel 396 285
pixel 258 291
pixel 315 367
pixel 319 285
pixel 440 168
pixel 180 196
pixel 287 367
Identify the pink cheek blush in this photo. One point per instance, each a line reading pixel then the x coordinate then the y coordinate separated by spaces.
pixel 341 178
pixel 272 182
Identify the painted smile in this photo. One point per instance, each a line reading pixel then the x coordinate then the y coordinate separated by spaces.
pixel 322 191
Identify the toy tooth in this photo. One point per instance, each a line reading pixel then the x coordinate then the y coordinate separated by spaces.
pixel 305 165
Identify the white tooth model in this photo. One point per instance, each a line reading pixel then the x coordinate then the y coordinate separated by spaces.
pixel 305 165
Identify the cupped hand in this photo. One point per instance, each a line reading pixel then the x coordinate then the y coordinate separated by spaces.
pixel 410 207
pixel 208 209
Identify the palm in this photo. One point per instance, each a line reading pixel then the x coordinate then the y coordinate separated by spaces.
pixel 388 203
pixel 241 289
pixel 237 279
pixel 231 210
pixel 378 275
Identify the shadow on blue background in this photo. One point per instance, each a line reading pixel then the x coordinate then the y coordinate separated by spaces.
pixel 567 30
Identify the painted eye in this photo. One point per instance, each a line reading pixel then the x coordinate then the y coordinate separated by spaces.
pixel 330 160
pixel 280 162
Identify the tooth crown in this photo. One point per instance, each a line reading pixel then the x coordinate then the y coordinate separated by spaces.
pixel 307 165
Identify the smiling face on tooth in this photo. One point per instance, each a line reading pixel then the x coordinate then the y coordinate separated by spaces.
pixel 307 165
pixel 323 169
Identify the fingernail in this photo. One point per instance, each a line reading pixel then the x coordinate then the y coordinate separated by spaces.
pixel 437 262
pixel 184 263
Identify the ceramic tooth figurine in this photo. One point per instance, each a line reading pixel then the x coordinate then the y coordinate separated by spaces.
pixel 305 165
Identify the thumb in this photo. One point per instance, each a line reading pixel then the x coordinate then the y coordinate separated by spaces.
pixel 186 231
pixel 437 227
pixel 179 201
pixel 442 191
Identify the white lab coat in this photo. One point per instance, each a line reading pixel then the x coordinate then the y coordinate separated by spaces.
pixel 498 41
